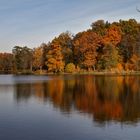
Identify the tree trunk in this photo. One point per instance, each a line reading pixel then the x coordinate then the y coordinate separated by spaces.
pixel 94 68
pixel 40 69
pixel 31 67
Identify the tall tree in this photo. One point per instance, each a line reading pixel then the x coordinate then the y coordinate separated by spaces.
pixel 108 54
pixel 18 61
pixel 130 39
pixel 110 57
pixel 100 27
pixel 64 40
pixel 85 46
pixel 6 62
pixel 22 58
pixel 55 59
pixel 38 58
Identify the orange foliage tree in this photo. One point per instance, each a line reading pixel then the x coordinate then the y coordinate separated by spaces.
pixel 112 36
pixel 6 62
pixel 38 58
pixel 84 46
pixel 64 40
pixel 55 59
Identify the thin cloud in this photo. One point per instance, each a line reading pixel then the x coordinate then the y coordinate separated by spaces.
pixel 35 21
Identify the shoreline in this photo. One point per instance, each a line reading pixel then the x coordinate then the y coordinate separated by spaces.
pixel 102 73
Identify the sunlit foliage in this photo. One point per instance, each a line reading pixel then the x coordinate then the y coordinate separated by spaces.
pixel 55 59
pixel 105 46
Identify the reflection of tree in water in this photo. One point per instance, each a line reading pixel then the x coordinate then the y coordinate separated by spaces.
pixel 23 91
pixel 105 98
pixel 27 90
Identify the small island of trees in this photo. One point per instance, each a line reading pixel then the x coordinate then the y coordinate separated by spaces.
pixel 111 47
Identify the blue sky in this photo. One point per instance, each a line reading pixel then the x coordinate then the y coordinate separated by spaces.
pixel 31 22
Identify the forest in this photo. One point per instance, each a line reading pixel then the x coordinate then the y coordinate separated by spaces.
pixel 105 46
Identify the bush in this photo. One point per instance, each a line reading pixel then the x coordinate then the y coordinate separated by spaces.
pixel 70 68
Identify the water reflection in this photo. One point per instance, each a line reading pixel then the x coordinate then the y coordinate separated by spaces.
pixel 104 98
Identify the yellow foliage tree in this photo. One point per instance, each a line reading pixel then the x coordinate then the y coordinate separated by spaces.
pixel 38 58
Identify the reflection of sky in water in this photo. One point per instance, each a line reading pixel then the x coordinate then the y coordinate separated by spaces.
pixel 11 79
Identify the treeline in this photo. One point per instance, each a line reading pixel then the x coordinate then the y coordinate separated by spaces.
pixel 105 46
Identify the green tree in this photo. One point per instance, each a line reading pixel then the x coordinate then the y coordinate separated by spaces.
pixel 22 58
pixel 100 27
pixel 130 38
pixel 110 58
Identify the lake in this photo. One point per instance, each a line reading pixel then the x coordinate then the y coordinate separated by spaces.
pixel 70 107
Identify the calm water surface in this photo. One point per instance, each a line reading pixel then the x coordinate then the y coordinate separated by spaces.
pixel 69 107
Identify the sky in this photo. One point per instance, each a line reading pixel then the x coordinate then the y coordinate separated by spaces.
pixel 32 22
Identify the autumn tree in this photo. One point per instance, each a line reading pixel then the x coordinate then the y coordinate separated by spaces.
pixel 85 45
pixel 55 59
pixel 112 36
pixel 104 46
pixel 6 62
pixel 38 58
pixel 64 40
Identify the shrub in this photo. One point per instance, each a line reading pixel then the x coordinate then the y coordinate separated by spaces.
pixel 70 68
